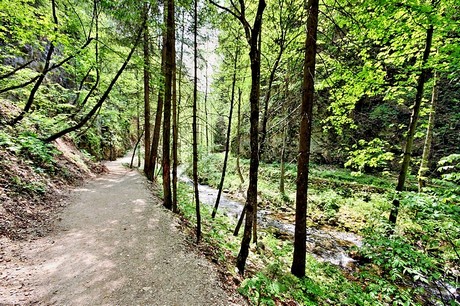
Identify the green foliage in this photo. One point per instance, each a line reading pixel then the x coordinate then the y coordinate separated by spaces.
pixel 209 168
pixel 35 149
pixel 369 155
pixel 450 168
pixel 29 146
pixel 6 141
pixel 397 257
pixel 28 187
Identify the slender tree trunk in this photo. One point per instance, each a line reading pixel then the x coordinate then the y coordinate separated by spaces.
pixel 227 143
pixel 159 111
pixel 303 159
pixel 138 132
pixel 206 109
pixel 240 221
pixel 146 92
pixel 169 71
pixel 251 202
pixel 139 138
pixel 429 137
pixel 255 221
pixel 283 146
pixel 282 169
pixel 158 116
pixel 263 132
pixel 175 135
pixel 238 168
pixel 412 126
pixel 179 97
pixel 195 130
pixel 238 139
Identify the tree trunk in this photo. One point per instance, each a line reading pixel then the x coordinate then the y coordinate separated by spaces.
pixel 206 109
pixel 429 137
pixel 139 138
pixel 146 92
pixel 238 168
pixel 254 222
pixel 179 97
pixel 238 139
pixel 251 202
pixel 263 132
pixel 169 71
pixel 303 159
pixel 194 123
pixel 175 135
pixel 412 126
pixel 227 143
pixel 158 116
pixel 138 133
pixel 283 146
pixel 282 170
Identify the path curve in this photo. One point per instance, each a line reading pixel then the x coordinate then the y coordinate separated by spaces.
pixel 115 245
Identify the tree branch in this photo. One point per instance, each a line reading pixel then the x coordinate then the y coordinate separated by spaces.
pixel 8 74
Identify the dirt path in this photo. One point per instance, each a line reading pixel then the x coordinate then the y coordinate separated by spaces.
pixel 115 245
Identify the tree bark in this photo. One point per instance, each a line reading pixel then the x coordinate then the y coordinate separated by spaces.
pixel 283 146
pixel 146 92
pixel 179 97
pixel 429 137
pixel 303 159
pixel 206 109
pixel 412 126
pixel 227 143
pixel 158 117
pixel 263 132
pixel 169 71
pixel 251 202
pixel 194 123
pixel 175 133
pixel 238 139
pixel 139 138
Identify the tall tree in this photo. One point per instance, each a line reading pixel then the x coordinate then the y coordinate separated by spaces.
pixel 158 116
pixel 412 124
pixel 194 124
pixel 252 36
pixel 238 138
pixel 303 158
pixel 424 164
pixel 175 134
pixel 146 91
pixel 169 72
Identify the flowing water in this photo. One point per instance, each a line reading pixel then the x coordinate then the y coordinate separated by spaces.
pixel 326 245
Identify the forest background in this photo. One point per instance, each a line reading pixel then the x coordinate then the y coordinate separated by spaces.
pixel 222 88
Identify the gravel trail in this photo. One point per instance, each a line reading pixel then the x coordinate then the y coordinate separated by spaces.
pixel 114 245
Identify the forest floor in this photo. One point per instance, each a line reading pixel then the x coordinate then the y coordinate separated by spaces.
pixel 114 244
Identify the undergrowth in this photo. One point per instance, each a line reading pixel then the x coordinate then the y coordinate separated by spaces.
pixel 417 265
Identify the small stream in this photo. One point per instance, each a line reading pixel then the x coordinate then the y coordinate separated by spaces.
pixel 325 245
